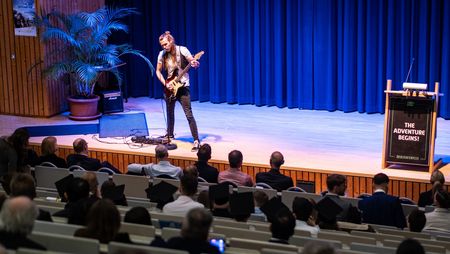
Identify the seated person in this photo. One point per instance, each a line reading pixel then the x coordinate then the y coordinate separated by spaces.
pixel 138 215
pixel 382 208
pixel 162 168
pixel 410 246
pixel 103 223
pixel 303 212
pixel 185 202
pixel 219 195
pixel 114 192
pixel 234 173
pixel 241 206
pixel 207 172
pixel 426 198
pixel 48 153
pixel 327 212
pixel 439 219
pixel 23 184
pixel 274 178
pixel 16 223
pixel 91 178
pixel 282 226
pixel 82 159
pixel 416 221
pixel 194 233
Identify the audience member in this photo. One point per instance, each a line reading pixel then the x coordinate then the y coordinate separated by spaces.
pixel 318 248
pixel 274 178
pixel 138 215
pixel 282 227
pixel 82 159
pixel 16 223
pixel 439 219
pixel 185 202
pixel 203 198
pixel 78 202
pixel 242 206
pixel 207 172
pixel 327 211
pixel 103 223
pixel 260 198
pixel 382 208
pixel 416 220
pixel 162 169
pixel 113 192
pixel 234 173
pixel 337 185
pixel 191 170
pixel 91 178
pixel 303 212
pixel 194 233
pixel 23 184
pixel 49 147
pixel 13 152
pixel 410 246
pixel 426 198
pixel 220 200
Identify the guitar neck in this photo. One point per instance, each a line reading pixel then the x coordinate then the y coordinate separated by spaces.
pixel 182 73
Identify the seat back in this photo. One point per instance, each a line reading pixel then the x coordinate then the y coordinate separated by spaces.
pixel 242 233
pixel 287 197
pixel 404 233
pixel 55 228
pixel 64 243
pixel 134 185
pixel 47 176
pixel 115 247
pixel 136 229
pixel 172 181
pixel 48 164
pixel 372 248
pixel 270 192
pixel 301 241
pixel 259 245
pixel 346 238
pixel 101 176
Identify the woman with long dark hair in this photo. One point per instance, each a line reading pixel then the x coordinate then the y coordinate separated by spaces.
pixel 13 152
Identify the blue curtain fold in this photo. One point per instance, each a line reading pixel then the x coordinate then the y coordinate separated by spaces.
pixel 306 54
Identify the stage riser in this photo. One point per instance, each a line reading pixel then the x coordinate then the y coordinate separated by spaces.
pixel 356 184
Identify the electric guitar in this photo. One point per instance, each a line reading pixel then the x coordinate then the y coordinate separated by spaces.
pixel 175 79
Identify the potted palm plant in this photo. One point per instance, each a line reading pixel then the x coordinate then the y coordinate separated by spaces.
pixel 83 52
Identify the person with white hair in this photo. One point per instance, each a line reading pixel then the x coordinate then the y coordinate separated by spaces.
pixel 16 223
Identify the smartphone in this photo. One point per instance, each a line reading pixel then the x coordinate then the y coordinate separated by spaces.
pixel 219 243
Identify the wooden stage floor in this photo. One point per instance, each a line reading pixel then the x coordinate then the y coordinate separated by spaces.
pixel 317 140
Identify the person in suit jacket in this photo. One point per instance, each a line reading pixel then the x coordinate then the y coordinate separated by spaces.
pixel 337 186
pixel 206 171
pixel 426 197
pixel 23 184
pixel 274 178
pixel 82 159
pixel 381 208
pixel 16 223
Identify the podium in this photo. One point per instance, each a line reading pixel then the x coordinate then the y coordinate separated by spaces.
pixel 410 129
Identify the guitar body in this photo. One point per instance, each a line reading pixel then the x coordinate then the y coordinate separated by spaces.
pixel 175 79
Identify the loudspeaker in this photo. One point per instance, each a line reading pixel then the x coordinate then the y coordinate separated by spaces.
pixel 111 102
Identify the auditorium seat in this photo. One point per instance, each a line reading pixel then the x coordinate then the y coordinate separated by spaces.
pixel 242 233
pixel 345 238
pixel 47 176
pixel 101 176
pixel 408 208
pixel 428 247
pixel 54 242
pixel 404 233
pixel 379 237
pixel 301 241
pixel 372 248
pixel 298 232
pixel 167 233
pixel 134 185
pixel 259 245
pixel 172 181
pixel 287 197
pixel 270 192
pixel 137 229
pixel 230 223
pixel 45 202
pixel 55 228
pixel 276 251
pixel 34 251
pixel 115 247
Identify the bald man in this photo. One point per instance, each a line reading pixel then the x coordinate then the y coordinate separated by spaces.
pixel 274 178
pixel 82 159
pixel 16 223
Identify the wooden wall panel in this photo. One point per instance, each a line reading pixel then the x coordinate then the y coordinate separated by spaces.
pixel 23 90
pixel 357 184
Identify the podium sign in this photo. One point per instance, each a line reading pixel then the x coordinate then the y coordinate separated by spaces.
pixel 409 130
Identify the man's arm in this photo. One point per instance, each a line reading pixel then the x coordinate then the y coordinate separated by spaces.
pixel 159 74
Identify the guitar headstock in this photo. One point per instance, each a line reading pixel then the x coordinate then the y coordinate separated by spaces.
pixel 198 55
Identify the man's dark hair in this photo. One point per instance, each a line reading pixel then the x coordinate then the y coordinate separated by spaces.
pixel 334 180
pixel 23 184
pixel 302 208
pixel 204 152
pixel 277 159
pixel 416 220
pixel 283 224
pixel 189 184
pixel 196 224
pixel 410 246
pixel 77 189
pixel 235 158
pixel 380 178
pixel 79 145
pixel 138 215
pixel 442 198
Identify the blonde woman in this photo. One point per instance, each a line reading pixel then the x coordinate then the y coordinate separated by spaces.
pixel 49 147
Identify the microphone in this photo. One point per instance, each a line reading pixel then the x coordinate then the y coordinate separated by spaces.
pixel 410 68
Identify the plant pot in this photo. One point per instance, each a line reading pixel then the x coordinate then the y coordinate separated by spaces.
pixel 84 109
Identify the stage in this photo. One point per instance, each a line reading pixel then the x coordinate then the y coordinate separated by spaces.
pixel 311 140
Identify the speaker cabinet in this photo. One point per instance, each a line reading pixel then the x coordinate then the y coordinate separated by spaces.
pixel 111 102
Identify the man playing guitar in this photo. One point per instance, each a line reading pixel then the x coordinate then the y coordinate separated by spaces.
pixel 173 58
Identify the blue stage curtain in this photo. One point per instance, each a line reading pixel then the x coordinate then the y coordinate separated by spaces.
pixel 307 54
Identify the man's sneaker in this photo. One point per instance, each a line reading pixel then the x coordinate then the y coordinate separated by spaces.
pixel 196 146
pixel 167 136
